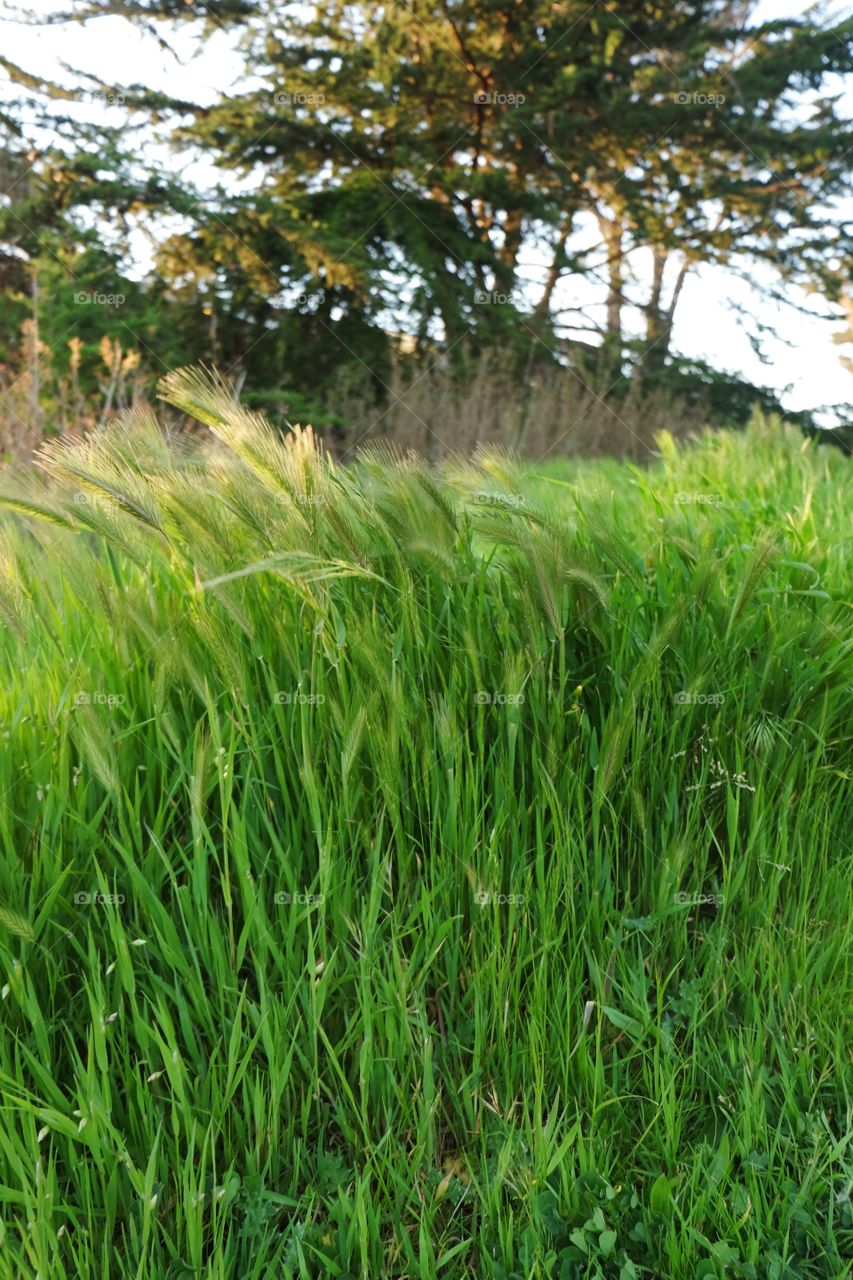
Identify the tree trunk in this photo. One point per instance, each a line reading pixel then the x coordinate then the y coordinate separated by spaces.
pixel 35 368
pixel 543 306
pixel 612 235
pixel 660 318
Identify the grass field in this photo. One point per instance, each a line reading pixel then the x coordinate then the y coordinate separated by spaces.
pixel 412 873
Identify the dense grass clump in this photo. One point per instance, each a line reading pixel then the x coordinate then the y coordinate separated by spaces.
pixel 413 873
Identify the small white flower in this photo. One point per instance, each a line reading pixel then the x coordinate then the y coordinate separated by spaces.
pixel 42 1134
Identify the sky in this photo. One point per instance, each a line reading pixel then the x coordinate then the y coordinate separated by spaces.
pixel 802 362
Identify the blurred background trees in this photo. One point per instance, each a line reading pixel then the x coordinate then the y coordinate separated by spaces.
pixel 403 194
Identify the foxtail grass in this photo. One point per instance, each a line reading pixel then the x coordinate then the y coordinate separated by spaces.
pixel 423 872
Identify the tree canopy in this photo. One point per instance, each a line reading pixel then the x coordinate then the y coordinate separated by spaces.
pixel 434 167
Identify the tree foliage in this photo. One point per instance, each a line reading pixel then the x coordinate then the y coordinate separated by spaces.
pixel 435 167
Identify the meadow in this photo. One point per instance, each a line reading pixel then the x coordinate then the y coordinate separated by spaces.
pixel 414 871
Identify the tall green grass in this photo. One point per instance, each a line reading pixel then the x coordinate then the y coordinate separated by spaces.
pixel 424 873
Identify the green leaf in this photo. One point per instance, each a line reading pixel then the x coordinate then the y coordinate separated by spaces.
pixel 660 1196
pixel 596 1222
pixel 606 1241
pixel 724 1252
pixel 720 1164
pixel 578 1239
pixel 623 1022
